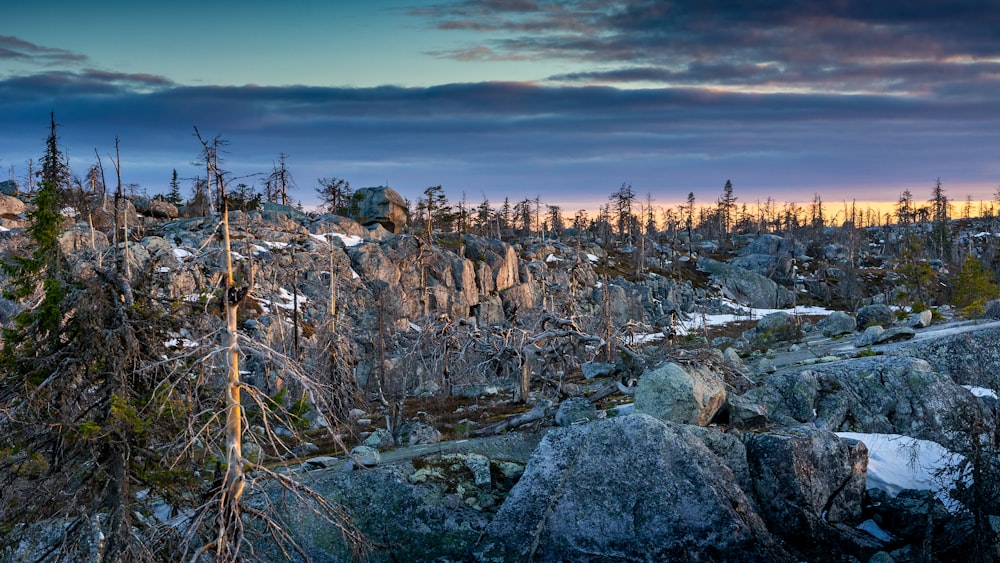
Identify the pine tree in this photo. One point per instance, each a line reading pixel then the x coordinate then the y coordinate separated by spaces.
pixel 174 196
pixel 974 287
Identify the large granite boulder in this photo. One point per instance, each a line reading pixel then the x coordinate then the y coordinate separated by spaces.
pixel 10 206
pixel 837 323
pixel 773 328
pixel 878 394
pixel 746 287
pixel 380 205
pixel 876 314
pixel 627 488
pixel 8 187
pixel 691 395
pixel 806 481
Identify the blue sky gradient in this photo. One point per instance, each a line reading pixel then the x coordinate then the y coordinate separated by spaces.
pixel 518 98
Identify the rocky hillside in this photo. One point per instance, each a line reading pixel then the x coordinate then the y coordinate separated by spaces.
pixel 466 398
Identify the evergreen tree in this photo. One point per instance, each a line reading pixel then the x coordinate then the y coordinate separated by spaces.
pixel 174 195
pixel 974 287
pixel 940 229
pixel 727 208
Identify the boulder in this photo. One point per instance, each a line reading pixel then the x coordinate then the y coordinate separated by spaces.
pixel 805 482
pixel 877 394
pixel 877 314
pixel 772 328
pixel 80 237
pixel 992 309
pixel 970 357
pixel 870 336
pixel 836 324
pixel 365 456
pixel 773 245
pixel 627 488
pixel 596 369
pixel 746 287
pixel 575 410
pixel 8 187
pixel 691 395
pixel 10 206
pixel 922 319
pixel 379 439
pixel 379 205
pixel 417 433
pixel 161 209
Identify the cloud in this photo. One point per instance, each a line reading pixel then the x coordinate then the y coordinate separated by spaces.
pixel 846 46
pixel 515 139
pixel 19 50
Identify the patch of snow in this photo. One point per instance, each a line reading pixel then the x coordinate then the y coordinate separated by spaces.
pixel 348 240
pixel 181 253
pixel 236 255
pixel 182 342
pixel 415 327
pixel 644 338
pixel 553 258
pixel 258 249
pixel 981 391
pixel 875 530
pixel 3 229
pixel 354 275
pixel 163 269
pixel 897 462
pixel 277 245
pixel 699 321
pixel 593 258
pixel 68 212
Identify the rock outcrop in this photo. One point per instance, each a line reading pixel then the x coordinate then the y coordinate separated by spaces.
pixel 380 205
pixel 613 489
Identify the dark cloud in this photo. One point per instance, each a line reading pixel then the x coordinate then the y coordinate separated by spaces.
pixel 843 46
pixel 515 139
pixel 19 50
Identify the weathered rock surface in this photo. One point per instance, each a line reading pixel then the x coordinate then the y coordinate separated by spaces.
pixel 970 357
pixel 805 481
pixel 10 206
pixel 570 505
pixel 772 328
pixel 688 395
pixel 892 395
pixel 575 410
pixel 746 287
pixel 379 205
pixel 836 324
pixel 877 314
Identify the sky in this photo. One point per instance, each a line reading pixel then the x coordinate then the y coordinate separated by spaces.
pixel 565 100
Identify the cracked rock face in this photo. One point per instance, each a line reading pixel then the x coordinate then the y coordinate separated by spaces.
pixel 613 489
pixel 379 206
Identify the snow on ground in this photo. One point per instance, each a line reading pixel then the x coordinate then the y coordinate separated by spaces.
pixel 182 342
pixel 273 245
pixel 3 229
pixel 553 258
pixel 981 391
pixel 643 338
pixel 348 240
pixel 700 321
pixel 287 300
pixel 897 462
pixel 181 253
pixel 593 258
